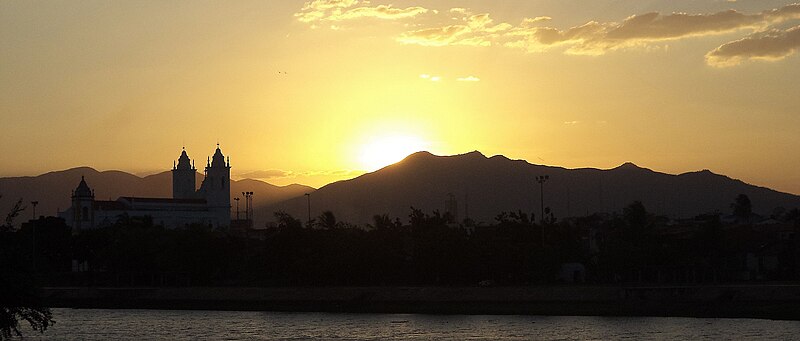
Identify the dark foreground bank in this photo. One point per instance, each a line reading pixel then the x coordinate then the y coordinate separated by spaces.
pixel 776 301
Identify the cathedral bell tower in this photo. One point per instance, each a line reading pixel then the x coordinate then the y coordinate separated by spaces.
pixel 82 207
pixel 183 178
pixel 216 187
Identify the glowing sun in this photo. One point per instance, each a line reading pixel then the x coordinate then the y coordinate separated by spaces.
pixel 386 150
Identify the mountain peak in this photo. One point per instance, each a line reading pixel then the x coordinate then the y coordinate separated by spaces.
pixel 419 155
pixel 628 165
pixel 474 154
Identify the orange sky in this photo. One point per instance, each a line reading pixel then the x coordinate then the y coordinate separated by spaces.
pixel 313 92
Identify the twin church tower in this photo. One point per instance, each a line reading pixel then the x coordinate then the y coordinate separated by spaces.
pixel 210 205
pixel 216 186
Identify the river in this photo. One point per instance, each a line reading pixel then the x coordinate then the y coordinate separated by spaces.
pixel 119 324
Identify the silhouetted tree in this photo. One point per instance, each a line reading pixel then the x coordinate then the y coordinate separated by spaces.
pixel 742 208
pixel 635 215
pixel 18 298
pixel 287 221
pixel 382 221
pixel 16 209
pixel 327 220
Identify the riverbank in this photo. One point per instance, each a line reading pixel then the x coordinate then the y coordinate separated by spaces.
pixel 775 301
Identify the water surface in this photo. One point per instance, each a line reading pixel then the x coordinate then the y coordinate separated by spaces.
pixel 119 324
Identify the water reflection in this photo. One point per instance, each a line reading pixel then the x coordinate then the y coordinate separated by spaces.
pixel 99 324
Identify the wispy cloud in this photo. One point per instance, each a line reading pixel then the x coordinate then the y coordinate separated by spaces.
pixel 277 173
pixel 474 30
pixel 340 10
pixel 459 26
pixel 770 45
pixel 594 38
pixel 468 79
pixel 266 174
pixel 430 78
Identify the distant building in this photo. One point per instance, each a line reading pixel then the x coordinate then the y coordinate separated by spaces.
pixel 208 205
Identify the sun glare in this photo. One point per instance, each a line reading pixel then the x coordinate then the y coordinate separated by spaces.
pixel 386 150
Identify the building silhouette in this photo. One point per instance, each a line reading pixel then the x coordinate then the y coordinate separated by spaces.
pixel 209 205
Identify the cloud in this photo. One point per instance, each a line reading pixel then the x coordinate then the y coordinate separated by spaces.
pixel 468 79
pixel 380 12
pixel 277 173
pixel 770 45
pixel 459 26
pixel 266 174
pixel 430 78
pixel 593 38
pixel 317 9
pixel 340 10
pixel 474 30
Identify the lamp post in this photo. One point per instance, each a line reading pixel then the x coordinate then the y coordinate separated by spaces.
pixel 237 208
pixel 34 203
pixel 250 204
pixel 246 213
pixel 308 197
pixel 541 179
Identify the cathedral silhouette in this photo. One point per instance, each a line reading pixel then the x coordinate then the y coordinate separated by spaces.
pixel 208 205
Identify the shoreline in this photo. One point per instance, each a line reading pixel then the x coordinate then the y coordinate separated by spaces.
pixel 766 301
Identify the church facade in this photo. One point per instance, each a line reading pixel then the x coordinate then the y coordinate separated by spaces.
pixel 208 205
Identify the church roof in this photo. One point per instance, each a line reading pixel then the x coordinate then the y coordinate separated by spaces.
pixel 107 205
pixel 218 160
pixel 83 189
pixel 163 200
pixel 183 161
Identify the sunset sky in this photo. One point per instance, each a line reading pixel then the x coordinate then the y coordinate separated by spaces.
pixel 312 92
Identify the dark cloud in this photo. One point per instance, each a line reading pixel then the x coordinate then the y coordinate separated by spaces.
pixel 770 45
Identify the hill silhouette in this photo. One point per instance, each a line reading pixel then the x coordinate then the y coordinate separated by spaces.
pixel 490 185
pixel 53 189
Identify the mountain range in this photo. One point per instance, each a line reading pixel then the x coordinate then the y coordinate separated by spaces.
pixel 485 186
pixel 482 187
pixel 53 190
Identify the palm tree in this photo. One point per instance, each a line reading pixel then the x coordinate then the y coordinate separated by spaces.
pixel 327 220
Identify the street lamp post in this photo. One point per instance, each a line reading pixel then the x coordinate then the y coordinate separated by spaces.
pixel 34 203
pixel 246 211
pixel 250 204
pixel 541 179
pixel 308 196
pixel 237 208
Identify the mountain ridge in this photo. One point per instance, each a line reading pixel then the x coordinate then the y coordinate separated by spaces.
pixel 490 185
